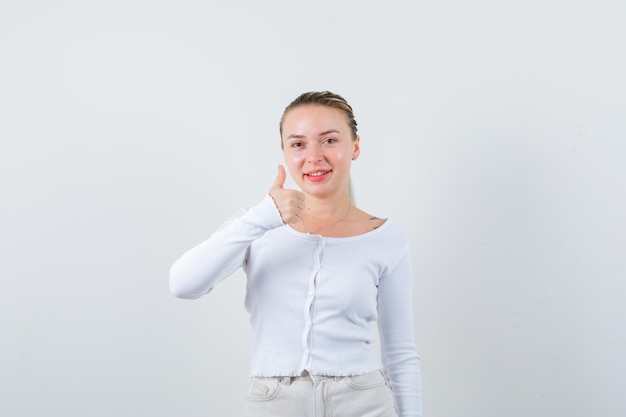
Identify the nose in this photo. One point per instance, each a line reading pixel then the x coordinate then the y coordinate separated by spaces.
pixel 314 154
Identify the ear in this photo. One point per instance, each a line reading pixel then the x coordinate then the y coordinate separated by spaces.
pixel 357 148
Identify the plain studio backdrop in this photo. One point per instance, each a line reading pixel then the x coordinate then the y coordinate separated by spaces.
pixel 493 132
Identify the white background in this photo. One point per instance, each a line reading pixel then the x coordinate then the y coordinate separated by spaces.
pixel 492 131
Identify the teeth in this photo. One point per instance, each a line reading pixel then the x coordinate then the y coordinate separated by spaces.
pixel 317 174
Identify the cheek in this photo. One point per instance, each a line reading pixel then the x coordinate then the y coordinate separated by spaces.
pixel 293 161
pixel 343 156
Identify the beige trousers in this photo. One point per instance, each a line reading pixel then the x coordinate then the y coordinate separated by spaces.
pixel 367 395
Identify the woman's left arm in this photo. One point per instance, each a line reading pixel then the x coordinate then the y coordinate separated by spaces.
pixel 395 321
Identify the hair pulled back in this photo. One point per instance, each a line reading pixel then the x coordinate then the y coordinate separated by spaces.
pixel 322 98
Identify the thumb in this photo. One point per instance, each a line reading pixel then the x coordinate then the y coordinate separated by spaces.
pixel 279 182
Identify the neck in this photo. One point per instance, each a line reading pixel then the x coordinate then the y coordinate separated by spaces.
pixel 326 208
pixel 322 215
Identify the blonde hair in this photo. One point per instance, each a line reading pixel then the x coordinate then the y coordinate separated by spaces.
pixel 322 98
pixel 329 99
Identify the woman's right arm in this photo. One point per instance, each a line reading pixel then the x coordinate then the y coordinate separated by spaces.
pixel 198 270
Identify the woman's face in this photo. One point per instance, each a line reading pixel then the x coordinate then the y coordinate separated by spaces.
pixel 319 147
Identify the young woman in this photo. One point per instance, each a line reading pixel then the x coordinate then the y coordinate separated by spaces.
pixel 320 272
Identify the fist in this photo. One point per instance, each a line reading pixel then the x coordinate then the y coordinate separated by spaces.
pixel 290 203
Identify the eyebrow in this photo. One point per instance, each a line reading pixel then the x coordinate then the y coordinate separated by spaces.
pixel 324 133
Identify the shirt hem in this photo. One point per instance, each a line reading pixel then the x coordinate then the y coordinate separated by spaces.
pixel 314 373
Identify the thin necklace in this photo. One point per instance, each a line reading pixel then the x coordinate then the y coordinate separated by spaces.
pixel 319 229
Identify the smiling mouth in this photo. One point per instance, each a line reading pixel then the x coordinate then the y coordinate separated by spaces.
pixel 317 174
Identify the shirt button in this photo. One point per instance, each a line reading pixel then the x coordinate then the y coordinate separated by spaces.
pixel 310 293
pixel 308 324
pixel 307 351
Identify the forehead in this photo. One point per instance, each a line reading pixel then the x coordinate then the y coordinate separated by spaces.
pixel 311 117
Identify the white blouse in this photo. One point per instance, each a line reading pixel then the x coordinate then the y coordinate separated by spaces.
pixel 313 300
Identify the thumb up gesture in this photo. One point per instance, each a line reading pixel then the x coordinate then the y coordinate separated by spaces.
pixel 290 203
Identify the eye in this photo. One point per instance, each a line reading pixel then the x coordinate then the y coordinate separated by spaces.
pixel 296 144
pixel 330 140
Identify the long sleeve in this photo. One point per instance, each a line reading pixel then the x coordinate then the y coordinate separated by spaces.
pixel 198 270
pixel 395 320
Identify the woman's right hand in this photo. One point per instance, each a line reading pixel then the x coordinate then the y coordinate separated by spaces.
pixel 290 203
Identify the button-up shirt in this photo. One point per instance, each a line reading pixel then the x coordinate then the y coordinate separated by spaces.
pixel 314 301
